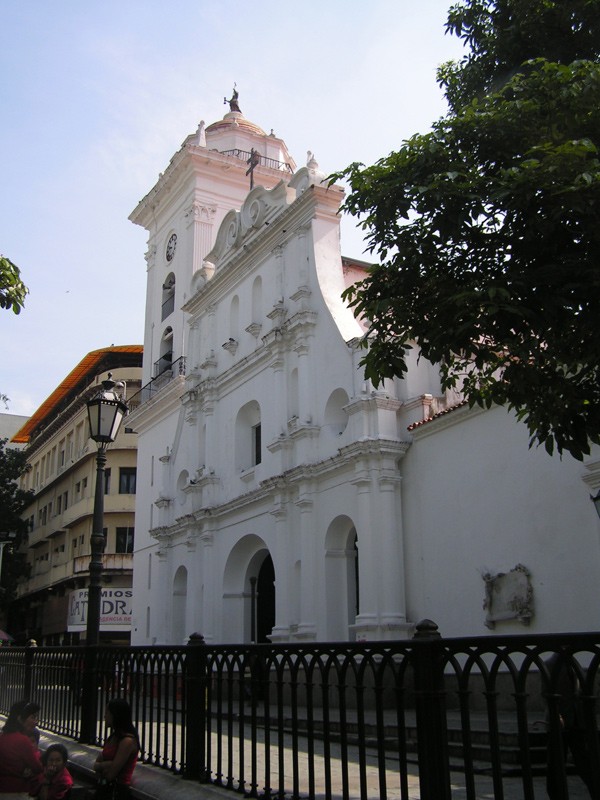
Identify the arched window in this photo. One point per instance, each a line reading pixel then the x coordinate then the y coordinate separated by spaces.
pixel 168 296
pixel 234 317
pixel 166 352
pixel 257 300
pixel 248 437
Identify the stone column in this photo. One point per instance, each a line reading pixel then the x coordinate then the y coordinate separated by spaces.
pixel 368 558
pixel 380 550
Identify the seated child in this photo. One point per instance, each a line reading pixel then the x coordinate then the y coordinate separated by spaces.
pixel 55 782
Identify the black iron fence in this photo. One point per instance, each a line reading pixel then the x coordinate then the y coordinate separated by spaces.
pixel 370 720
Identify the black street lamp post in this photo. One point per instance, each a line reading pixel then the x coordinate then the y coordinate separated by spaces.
pixel 106 411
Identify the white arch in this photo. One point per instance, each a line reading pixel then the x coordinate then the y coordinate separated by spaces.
pixel 244 562
pixel 341 584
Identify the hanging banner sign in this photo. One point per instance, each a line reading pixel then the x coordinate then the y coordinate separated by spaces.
pixel 115 610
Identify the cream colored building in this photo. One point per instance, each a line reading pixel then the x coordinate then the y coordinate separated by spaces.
pixel 51 603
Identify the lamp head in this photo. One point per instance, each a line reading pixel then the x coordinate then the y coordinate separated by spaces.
pixel 106 411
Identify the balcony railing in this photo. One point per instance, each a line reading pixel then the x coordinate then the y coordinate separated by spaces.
pixel 174 369
pixel 163 364
pixel 110 561
pixel 272 163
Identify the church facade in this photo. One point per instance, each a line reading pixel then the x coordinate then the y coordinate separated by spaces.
pixel 280 497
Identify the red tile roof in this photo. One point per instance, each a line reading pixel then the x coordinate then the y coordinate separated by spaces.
pixel 436 416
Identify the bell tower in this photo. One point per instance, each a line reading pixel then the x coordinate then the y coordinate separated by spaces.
pixel 208 176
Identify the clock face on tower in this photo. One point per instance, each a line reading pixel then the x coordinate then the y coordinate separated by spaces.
pixel 171 245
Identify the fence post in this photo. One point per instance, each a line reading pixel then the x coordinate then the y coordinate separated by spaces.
pixel 195 767
pixel 89 695
pixel 28 684
pixel 432 733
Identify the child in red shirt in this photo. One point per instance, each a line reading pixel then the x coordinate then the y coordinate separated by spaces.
pixel 55 781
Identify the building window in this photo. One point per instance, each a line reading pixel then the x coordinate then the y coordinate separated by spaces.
pixel 256 453
pixel 59 504
pixel 66 500
pixel 107 480
pixel 124 543
pixel 127 476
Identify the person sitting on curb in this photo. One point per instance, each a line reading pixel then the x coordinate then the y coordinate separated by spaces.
pixel 55 782
pixel 19 756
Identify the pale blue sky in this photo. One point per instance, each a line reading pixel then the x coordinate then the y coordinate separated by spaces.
pixel 98 95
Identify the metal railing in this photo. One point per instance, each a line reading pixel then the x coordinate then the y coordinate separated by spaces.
pixel 366 720
pixel 272 163
pixel 164 363
pixel 174 369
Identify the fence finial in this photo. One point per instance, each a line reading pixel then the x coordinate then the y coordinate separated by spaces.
pixel 426 629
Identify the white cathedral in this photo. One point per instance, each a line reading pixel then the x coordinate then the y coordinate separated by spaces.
pixel 280 497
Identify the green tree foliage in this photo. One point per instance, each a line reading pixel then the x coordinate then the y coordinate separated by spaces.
pixel 13 501
pixel 488 226
pixel 504 34
pixel 12 289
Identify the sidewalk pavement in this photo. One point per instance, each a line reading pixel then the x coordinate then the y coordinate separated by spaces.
pixel 153 783
pixel 149 783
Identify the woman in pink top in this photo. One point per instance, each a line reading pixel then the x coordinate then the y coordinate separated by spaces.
pixel 19 757
pixel 115 764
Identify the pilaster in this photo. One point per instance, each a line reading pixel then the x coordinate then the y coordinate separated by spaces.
pixel 307 626
pixel 283 578
pixel 200 219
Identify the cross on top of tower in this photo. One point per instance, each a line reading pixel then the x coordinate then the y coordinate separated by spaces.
pixel 253 162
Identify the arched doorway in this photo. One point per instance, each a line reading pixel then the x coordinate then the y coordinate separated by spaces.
pixel 178 632
pixel 249 600
pixel 265 601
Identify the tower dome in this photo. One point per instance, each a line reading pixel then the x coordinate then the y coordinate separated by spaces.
pixel 235 135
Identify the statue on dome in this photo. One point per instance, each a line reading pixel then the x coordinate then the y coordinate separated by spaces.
pixel 233 103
